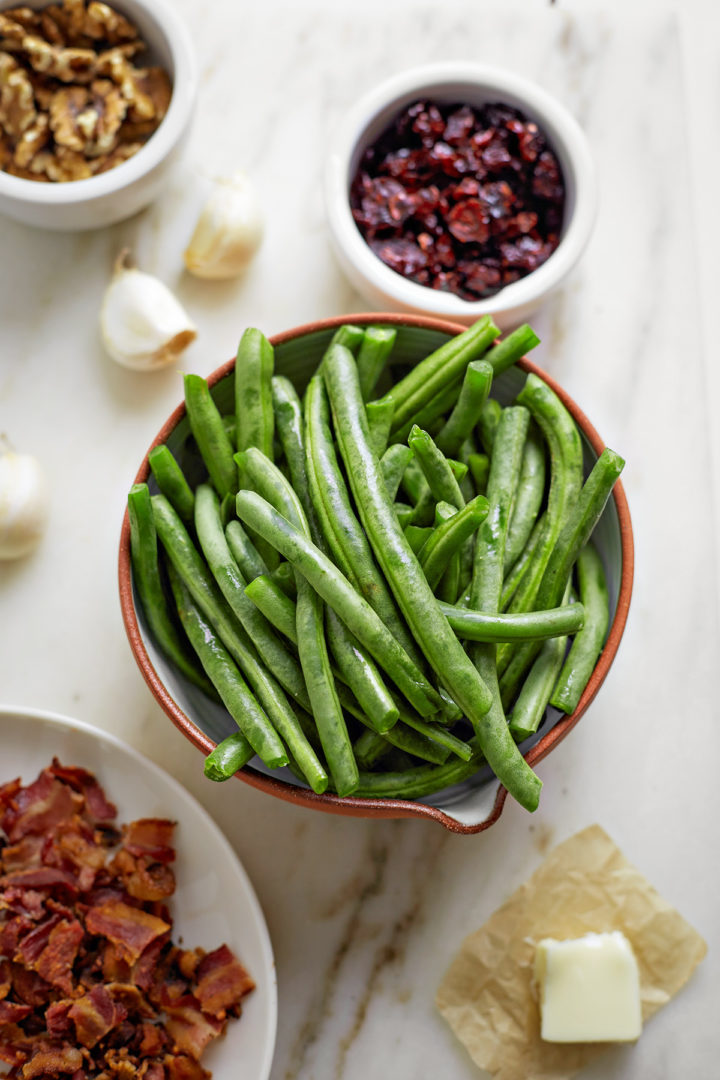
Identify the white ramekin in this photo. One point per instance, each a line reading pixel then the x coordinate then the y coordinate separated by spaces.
pixel 472 84
pixel 129 187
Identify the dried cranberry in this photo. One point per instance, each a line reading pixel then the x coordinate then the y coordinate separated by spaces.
pixel 458 198
pixel 468 222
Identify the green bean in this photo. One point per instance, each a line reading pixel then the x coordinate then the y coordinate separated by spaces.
pixel 588 644
pixel 230 427
pixel 563 442
pixel 342 531
pixel 404 514
pixel 312 645
pixel 171 481
pixel 361 675
pixel 284 577
pixel 488 423
pixel 393 464
pixel 448 538
pixel 422 780
pixel 224 569
pixel 348 335
pixel 532 701
pixel 528 497
pixel 442 366
pixel 369 748
pixel 581 519
pixel 418 535
pixel 417 744
pixel 290 423
pixel 147 580
pixel 244 552
pixel 458 468
pixel 254 417
pixel 336 591
pixel 437 733
pixel 513 579
pixel 377 344
pixel 276 606
pixel 379 418
pixel 466 413
pixel 506 761
pixel 438 473
pixel 404 573
pixel 523 626
pixel 210 602
pixel 228 757
pixel 479 465
pixel 225 676
pixel 207 428
pixel 502 484
pixel 432 414
pixel 505 353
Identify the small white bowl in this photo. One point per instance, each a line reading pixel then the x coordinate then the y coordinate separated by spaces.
pixel 129 187
pixel 471 84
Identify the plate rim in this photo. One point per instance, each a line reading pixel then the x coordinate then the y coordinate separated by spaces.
pixel 9 711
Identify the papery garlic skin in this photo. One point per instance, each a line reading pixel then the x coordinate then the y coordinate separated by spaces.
pixel 23 504
pixel 228 232
pixel 144 327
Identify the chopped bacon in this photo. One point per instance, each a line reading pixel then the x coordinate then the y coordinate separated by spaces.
pixel 95 1014
pixel 67 1059
pixel 151 837
pixel 182 1067
pixel 84 782
pixel 130 929
pixel 57 1019
pixel 189 1028
pixel 143 878
pixel 40 877
pixel 22 855
pixel 38 808
pixel 221 981
pixel 91 985
pixel 11 1012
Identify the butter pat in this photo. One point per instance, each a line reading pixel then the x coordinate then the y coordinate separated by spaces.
pixel 589 989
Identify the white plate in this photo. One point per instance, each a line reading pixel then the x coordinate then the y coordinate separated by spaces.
pixel 214 902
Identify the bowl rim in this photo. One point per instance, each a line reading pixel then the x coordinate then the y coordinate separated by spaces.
pixel 161 143
pixel 354 806
pixel 565 135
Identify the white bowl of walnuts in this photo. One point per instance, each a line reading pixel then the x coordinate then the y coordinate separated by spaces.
pixel 95 104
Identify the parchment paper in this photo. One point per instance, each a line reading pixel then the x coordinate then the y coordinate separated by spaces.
pixel 584 884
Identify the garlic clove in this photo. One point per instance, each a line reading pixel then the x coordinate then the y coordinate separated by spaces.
pixel 228 232
pixel 23 504
pixel 143 326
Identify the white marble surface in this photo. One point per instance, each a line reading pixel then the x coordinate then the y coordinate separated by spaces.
pixel 366 916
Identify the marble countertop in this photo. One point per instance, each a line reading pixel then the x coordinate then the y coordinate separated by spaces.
pixel 365 916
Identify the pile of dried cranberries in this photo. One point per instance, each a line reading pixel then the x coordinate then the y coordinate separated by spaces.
pixel 461 199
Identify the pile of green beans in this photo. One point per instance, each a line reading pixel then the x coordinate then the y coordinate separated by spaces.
pixel 388 594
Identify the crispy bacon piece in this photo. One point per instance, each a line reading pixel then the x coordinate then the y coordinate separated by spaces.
pixel 66 1059
pixel 91 985
pixel 130 929
pixel 221 982
pixel 188 1026
pixel 84 782
pixel 95 1014
pixel 38 808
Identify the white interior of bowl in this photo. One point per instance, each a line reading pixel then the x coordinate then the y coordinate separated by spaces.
pixel 168 45
pixel 476 85
pixel 470 802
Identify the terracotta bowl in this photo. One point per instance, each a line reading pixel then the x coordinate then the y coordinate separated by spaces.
pixel 468 807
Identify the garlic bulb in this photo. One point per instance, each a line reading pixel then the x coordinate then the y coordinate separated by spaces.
pixel 23 504
pixel 143 326
pixel 228 232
